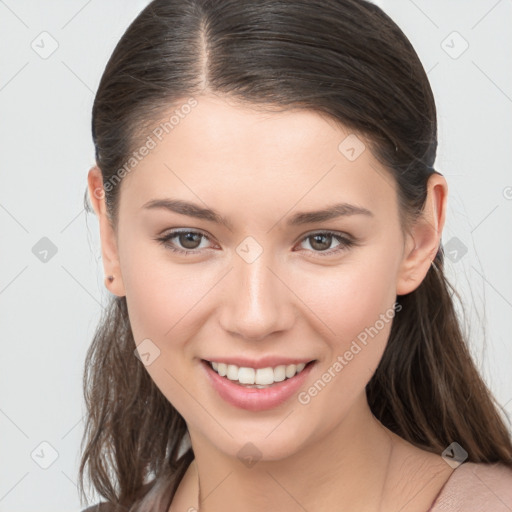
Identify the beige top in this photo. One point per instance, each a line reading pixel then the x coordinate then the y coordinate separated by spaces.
pixel 476 487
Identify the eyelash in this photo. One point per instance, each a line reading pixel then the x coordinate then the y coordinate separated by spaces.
pixel 345 242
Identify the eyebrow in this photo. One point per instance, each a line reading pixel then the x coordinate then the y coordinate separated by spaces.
pixel 193 210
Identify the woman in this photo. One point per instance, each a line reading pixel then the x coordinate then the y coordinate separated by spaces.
pixel 281 334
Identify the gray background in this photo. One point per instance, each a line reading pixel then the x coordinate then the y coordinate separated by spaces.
pixel 50 301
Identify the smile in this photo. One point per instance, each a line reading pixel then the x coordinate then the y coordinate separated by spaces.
pixel 257 377
pixel 256 389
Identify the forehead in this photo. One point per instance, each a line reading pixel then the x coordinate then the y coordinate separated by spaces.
pixel 220 150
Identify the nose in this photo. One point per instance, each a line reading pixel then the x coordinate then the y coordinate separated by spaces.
pixel 258 300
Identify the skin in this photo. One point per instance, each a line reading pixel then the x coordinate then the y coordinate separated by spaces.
pixel 258 169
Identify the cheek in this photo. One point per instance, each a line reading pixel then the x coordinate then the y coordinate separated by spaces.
pixel 347 299
pixel 356 303
pixel 160 294
pixel 338 386
pixel 164 303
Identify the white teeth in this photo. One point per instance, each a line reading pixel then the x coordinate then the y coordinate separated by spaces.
pixel 280 373
pixel 246 376
pixel 290 371
pixel 222 369
pixel 232 373
pixel 264 376
pixel 260 377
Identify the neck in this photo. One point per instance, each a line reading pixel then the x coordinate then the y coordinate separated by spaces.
pixel 356 456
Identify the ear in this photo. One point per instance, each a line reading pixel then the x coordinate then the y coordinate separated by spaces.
pixel 109 249
pixel 424 239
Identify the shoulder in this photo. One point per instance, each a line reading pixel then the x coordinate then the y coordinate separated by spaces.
pixel 478 487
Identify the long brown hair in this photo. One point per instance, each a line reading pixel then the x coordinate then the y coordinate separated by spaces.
pixel 347 60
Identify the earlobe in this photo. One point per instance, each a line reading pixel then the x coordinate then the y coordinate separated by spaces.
pixel 425 237
pixel 109 249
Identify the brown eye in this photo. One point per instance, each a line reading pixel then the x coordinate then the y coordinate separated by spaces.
pixel 322 241
pixel 183 241
pixel 189 240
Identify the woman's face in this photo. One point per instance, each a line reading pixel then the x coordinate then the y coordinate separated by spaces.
pixel 270 286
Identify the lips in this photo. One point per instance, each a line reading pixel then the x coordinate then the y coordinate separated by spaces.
pixel 253 397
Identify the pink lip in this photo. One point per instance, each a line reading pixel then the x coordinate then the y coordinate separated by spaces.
pixel 254 399
pixel 264 362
